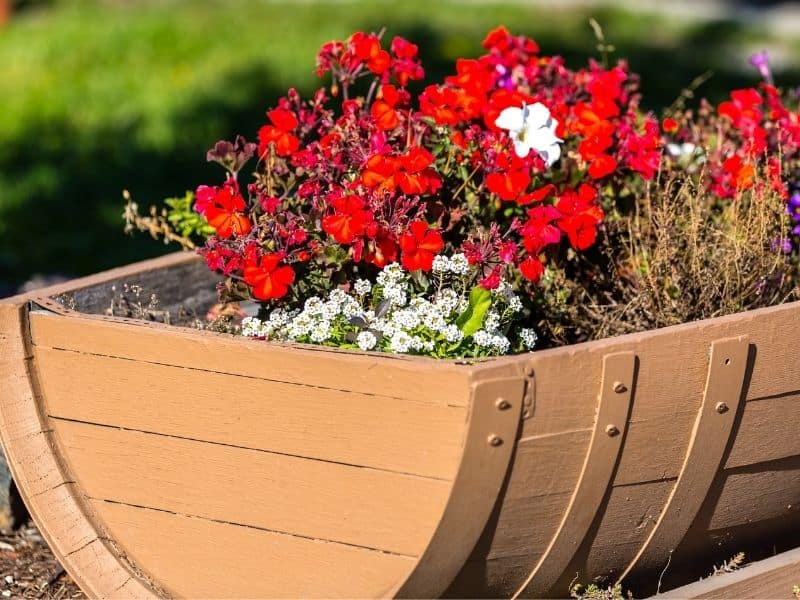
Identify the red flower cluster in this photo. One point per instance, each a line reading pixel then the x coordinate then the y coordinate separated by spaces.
pixel 346 184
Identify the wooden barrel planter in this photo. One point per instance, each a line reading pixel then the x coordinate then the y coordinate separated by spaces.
pixel 161 461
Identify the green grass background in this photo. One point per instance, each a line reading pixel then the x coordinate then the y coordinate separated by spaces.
pixel 97 96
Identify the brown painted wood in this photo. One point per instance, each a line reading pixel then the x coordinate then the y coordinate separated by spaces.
pixel 724 392
pixel 52 499
pixel 382 432
pixel 292 397
pixel 614 404
pixel 772 577
pixel 491 433
pixel 309 498
pixel 423 380
pixel 198 558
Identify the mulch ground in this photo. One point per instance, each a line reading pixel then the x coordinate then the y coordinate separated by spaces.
pixel 29 570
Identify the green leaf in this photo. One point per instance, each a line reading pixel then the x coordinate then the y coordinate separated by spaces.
pixel 471 320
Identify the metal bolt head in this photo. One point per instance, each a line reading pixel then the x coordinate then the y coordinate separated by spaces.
pixel 502 404
pixel 612 430
pixel 721 407
pixel 619 387
pixel 495 440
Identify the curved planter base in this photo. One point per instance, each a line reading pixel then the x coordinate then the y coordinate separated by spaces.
pixel 168 462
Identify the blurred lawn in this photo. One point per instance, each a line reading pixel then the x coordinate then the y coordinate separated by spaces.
pixel 105 95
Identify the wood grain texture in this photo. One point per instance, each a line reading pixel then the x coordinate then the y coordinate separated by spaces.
pixel 615 394
pixel 708 441
pixel 763 423
pixel 352 428
pixel 422 380
pixel 327 501
pixel 772 577
pixel 197 558
pixel 759 493
pixel 48 493
pixel 488 446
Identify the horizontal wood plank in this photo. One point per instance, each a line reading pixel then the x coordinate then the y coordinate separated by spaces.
pixel 375 431
pixel 414 378
pixel 768 431
pixel 326 501
pixel 758 494
pixel 197 558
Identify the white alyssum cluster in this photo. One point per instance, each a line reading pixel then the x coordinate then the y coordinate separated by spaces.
pixel 458 264
pixel 388 316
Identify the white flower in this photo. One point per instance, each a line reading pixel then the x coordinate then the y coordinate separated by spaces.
pixel 492 321
pixel 366 340
pixel 362 287
pixel 453 334
pixel 482 338
pixel 251 326
pixel 401 342
pixel 532 128
pixel 459 264
pixel 441 264
pixel 528 337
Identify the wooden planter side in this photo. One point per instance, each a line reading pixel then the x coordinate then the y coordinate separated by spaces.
pixel 50 495
pixel 410 453
pixel 696 466
pixel 773 577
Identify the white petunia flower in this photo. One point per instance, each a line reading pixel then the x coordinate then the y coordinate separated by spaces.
pixel 366 340
pixel 532 128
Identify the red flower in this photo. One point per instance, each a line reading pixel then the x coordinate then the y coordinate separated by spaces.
pixel 283 122
pixel 267 278
pixel 602 166
pixel 406 65
pixel 508 185
pixel 382 250
pixel 669 125
pixel 368 50
pixel 419 245
pixel 581 215
pixel 539 195
pixel 379 173
pixel 383 110
pixel 532 268
pixel 539 231
pixel 741 172
pixel 349 219
pixel 224 212
pixel 414 174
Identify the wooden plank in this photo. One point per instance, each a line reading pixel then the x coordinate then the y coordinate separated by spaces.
pixel 326 501
pixel 754 494
pixel 763 423
pixel 197 558
pixel 423 380
pixel 48 494
pixel 375 431
pixel 492 430
pixel 772 577
pixel 617 387
pixel 626 521
pixel 708 440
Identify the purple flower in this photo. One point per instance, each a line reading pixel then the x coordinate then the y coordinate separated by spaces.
pixel 782 245
pixel 793 206
pixel 760 60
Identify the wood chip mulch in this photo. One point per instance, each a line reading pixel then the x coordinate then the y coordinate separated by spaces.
pixel 29 570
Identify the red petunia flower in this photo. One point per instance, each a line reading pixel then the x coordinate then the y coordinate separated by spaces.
pixel 669 125
pixel 267 278
pixel 349 219
pixel 279 133
pixel 420 244
pixel 224 212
